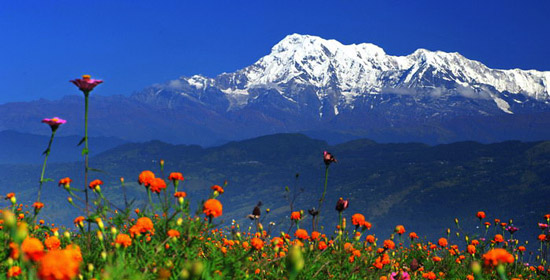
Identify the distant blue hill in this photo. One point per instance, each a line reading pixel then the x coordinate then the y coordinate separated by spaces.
pixel 18 147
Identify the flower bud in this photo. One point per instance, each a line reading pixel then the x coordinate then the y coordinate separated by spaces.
pixel 9 218
pixel 196 269
pixel 179 222
pixel 476 268
pixel 13 200
pixel 100 223
pixel 21 232
pixel 344 223
pixel 295 259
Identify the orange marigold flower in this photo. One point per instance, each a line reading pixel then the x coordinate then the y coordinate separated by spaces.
pixel 471 249
pixel 357 219
pixel 38 205
pixel 95 183
pixel 157 184
pixel 14 250
pixel 10 195
pixel 212 208
pixel 134 230
pixel 348 247
pixel 541 237
pixel 295 216
pixel 144 224
pixel 498 238
pixel 65 181
pixel 217 188
pixel 429 275
pixel 277 242
pixel 475 242
pixel 79 221
pixel 58 265
pixel 315 235
pixel 176 176
pixel 496 256
pixel 521 248
pixel 257 243
pixel 32 248
pixel 123 240
pixel 442 242
pixel 400 229
pixel 367 225
pixel 388 244
pixel 173 233
pixel 480 215
pixel 14 271
pixel 322 245
pixel 52 243
pixel 413 235
pixel 74 250
pixel 145 178
pixel 370 239
pixel 301 233
pixel 180 194
pixel 436 259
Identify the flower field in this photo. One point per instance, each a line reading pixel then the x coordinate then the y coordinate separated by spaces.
pixel 167 240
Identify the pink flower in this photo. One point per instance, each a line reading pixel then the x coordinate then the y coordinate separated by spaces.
pixel 86 84
pixel 328 158
pixel 400 276
pixel 342 204
pixel 54 123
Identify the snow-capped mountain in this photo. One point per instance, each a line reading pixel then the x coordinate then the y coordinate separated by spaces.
pixel 331 91
pixel 339 76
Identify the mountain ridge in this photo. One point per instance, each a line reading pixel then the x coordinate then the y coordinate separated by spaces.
pixel 319 87
pixel 399 183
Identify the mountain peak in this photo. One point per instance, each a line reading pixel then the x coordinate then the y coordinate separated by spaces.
pixel 296 42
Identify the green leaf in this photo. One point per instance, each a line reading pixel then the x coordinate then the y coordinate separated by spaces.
pixel 96 170
pixel 48 180
pixel 46 152
pixel 84 151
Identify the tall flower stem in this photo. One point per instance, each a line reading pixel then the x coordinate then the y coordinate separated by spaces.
pixel 85 152
pixel 47 153
pixel 322 196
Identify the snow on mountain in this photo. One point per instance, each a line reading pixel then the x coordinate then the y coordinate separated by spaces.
pixel 340 74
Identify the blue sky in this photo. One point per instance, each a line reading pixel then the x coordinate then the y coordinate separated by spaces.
pixel 133 44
